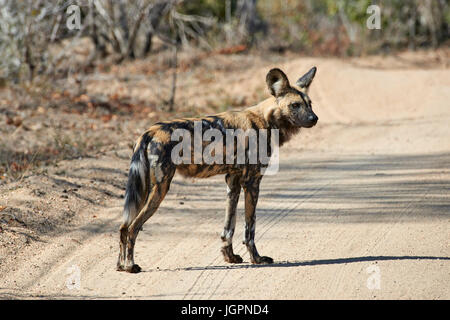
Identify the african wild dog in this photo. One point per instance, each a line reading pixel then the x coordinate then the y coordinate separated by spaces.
pixel 287 110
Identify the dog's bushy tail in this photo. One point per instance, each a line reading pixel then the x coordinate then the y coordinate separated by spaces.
pixel 138 180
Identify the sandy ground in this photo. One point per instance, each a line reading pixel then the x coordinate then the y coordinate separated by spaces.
pixel 359 210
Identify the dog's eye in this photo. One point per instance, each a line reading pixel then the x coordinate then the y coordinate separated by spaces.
pixel 296 105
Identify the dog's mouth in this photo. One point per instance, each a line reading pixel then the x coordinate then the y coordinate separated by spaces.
pixel 311 121
pixel 310 124
pixel 307 124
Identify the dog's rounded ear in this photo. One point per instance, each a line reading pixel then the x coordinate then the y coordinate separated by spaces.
pixel 307 78
pixel 277 82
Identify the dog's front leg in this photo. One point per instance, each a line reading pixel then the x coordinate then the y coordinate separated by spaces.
pixel 233 191
pixel 251 190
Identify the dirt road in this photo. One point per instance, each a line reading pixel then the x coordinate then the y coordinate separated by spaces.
pixel 360 208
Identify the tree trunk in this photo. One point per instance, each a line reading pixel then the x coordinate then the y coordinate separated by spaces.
pixel 250 22
pixel 174 79
pixel 155 16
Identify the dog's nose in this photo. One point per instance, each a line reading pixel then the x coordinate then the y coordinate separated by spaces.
pixel 313 118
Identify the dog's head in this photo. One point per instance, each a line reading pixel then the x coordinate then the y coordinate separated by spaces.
pixel 294 104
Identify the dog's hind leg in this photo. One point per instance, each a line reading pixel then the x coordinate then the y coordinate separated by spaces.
pixel 158 190
pixel 123 246
pixel 233 191
pixel 251 191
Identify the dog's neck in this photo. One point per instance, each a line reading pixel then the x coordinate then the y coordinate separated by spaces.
pixel 272 116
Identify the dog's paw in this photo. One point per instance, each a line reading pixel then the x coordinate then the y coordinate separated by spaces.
pixel 229 256
pixel 133 269
pixel 263 260
pixel 235 258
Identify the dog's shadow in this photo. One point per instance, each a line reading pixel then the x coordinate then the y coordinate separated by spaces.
pixel 290 264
